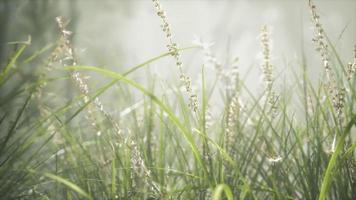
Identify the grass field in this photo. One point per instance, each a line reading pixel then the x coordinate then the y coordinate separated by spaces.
pixel 294 138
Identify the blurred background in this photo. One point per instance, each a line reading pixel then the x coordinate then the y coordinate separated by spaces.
pixel 119 34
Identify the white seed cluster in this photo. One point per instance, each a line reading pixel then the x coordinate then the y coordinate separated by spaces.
pixel 351 67
pixel 65 54
pixel 337 93
pixel 235 74
pixel 338 101
pixel 208 118
pixel 64 51
pixel 173 49
pixel 267 70
pixel 234 108
pixel 233 115
pixel 275 159
pixel 68 59
pixel 209 57
pixel 267 67
pixel 309 105
pixel 232 76
pixel 320 41
pixel 139 166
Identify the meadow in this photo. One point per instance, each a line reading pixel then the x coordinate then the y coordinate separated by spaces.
pixel 208 136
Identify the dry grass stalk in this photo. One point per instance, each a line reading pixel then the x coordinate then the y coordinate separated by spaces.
pixel 321 42
pixel 336 93
pixel 232 120
pixel 64 53
pixel 267 71
pixel 351 67
pixel 234 108
pixel 68 59
pixel 173 49
pixel 267 67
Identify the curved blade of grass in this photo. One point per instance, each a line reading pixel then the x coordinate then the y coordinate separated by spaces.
pixel 154 59
pixel 336 54
pixel 11 64
pixel 13 126
pixel 68 184
pixel 349 151
pixel 328 173
pixel 186 133
pixel 219 189
pixel 38 53
pixel 244 191
pixel 30 88
pixel 96 94
pixel 109 85
pixel 101 90
pixel 225 155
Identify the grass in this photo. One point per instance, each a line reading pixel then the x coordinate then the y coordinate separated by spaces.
pixel 158 142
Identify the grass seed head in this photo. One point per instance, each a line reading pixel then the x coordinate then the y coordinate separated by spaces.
pixel 233 115
pixel 173 49
pixel 266 66
pixel 267 70
pixel 351 67
pixel 320 41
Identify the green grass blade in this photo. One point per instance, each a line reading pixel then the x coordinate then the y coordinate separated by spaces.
pixel 218 191
pixel 68 184
pixel 186 133
pixel 329 170
pixel 113 178
pixel 11 64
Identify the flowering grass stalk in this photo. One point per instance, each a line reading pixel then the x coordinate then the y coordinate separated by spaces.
pixel 173 48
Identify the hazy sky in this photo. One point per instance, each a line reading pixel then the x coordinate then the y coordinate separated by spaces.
pixel 123 33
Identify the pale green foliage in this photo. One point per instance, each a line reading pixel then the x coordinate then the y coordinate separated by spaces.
pixel 50 148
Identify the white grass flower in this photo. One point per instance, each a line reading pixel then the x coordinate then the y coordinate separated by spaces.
pixel 204 45
pixel 333 144
pixel 274 159
pixel 98 133
pixel 267 71
pixel 173 49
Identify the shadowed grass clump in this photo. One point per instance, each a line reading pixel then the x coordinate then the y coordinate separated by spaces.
pixel 161 141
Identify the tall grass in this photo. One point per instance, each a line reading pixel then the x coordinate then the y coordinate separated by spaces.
pixel 167 141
